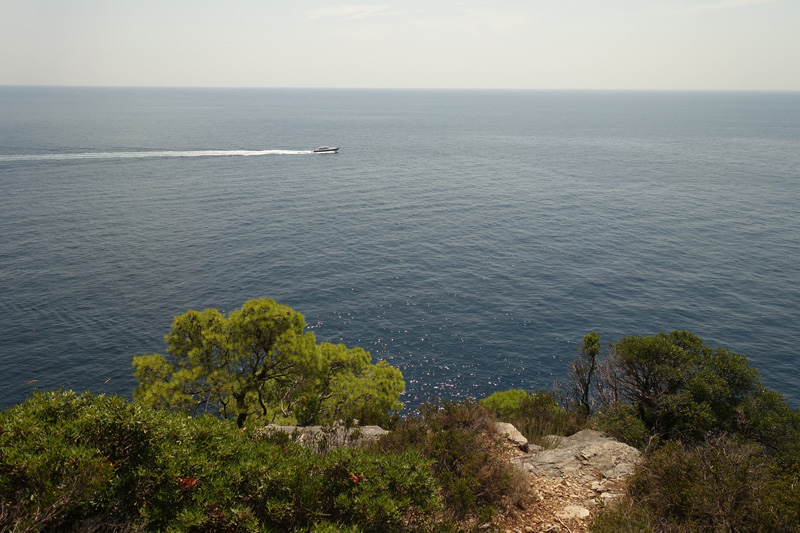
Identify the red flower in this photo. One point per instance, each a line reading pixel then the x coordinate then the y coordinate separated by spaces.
pixel 187 482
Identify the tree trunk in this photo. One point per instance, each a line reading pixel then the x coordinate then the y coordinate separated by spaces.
pixel 242 408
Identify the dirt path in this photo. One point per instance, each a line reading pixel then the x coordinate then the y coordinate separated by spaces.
pixel 568 484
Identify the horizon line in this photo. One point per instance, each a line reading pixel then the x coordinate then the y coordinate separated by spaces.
pixel 310 88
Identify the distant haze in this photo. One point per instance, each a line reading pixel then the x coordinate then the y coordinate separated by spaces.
pixel 545 44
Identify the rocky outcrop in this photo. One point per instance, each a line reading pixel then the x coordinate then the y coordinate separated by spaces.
pixel 569 478
pixel 513 435
pixel 587 452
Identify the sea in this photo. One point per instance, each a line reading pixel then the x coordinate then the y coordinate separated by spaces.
pixel 470 238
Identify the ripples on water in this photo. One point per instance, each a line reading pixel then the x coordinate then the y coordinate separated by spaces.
pixel 470 238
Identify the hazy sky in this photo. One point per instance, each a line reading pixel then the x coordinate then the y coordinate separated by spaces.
pixel 537 44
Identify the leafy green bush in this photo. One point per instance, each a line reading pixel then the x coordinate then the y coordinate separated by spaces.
pixel 541 415
pixel 505 404
pixel 78 462
pixel 766 418
pixel 462 442
pixel 534 415
pixel 622 422
pixel 680 388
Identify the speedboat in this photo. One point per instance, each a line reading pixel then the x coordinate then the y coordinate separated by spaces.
pixel 326 150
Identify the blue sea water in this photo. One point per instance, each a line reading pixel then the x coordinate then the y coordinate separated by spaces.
pixel 470 238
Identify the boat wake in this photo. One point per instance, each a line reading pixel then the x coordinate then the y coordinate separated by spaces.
pixel 71 156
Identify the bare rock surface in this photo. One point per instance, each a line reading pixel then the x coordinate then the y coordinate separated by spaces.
pixel 573 511
pixel 586 452
pixel 569 481
pixel 513 435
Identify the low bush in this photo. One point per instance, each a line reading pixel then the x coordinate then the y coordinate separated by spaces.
pixel 505 404
pixel 722 484
pixel 85 462
pixel 535 415
pixel 622 422
pixel 466 453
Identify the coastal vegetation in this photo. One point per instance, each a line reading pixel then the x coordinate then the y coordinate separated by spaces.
pixel 722 453
pixel 189 453
pixel 82 462
pixel 97 463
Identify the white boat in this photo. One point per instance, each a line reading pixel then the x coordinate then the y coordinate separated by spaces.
pixel 326 150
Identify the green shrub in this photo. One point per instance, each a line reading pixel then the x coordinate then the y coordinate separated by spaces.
pixel 766 418
pixel 534 415
pixel 462 442
pixel 541 415
pixel 680 388
pixel 80 462
pixel 505 404
pixel 622 422
pixel 677 388
pixel 625 516
pixel 722 450
pixel 722 484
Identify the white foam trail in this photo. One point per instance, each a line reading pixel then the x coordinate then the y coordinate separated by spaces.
pixel 140 155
